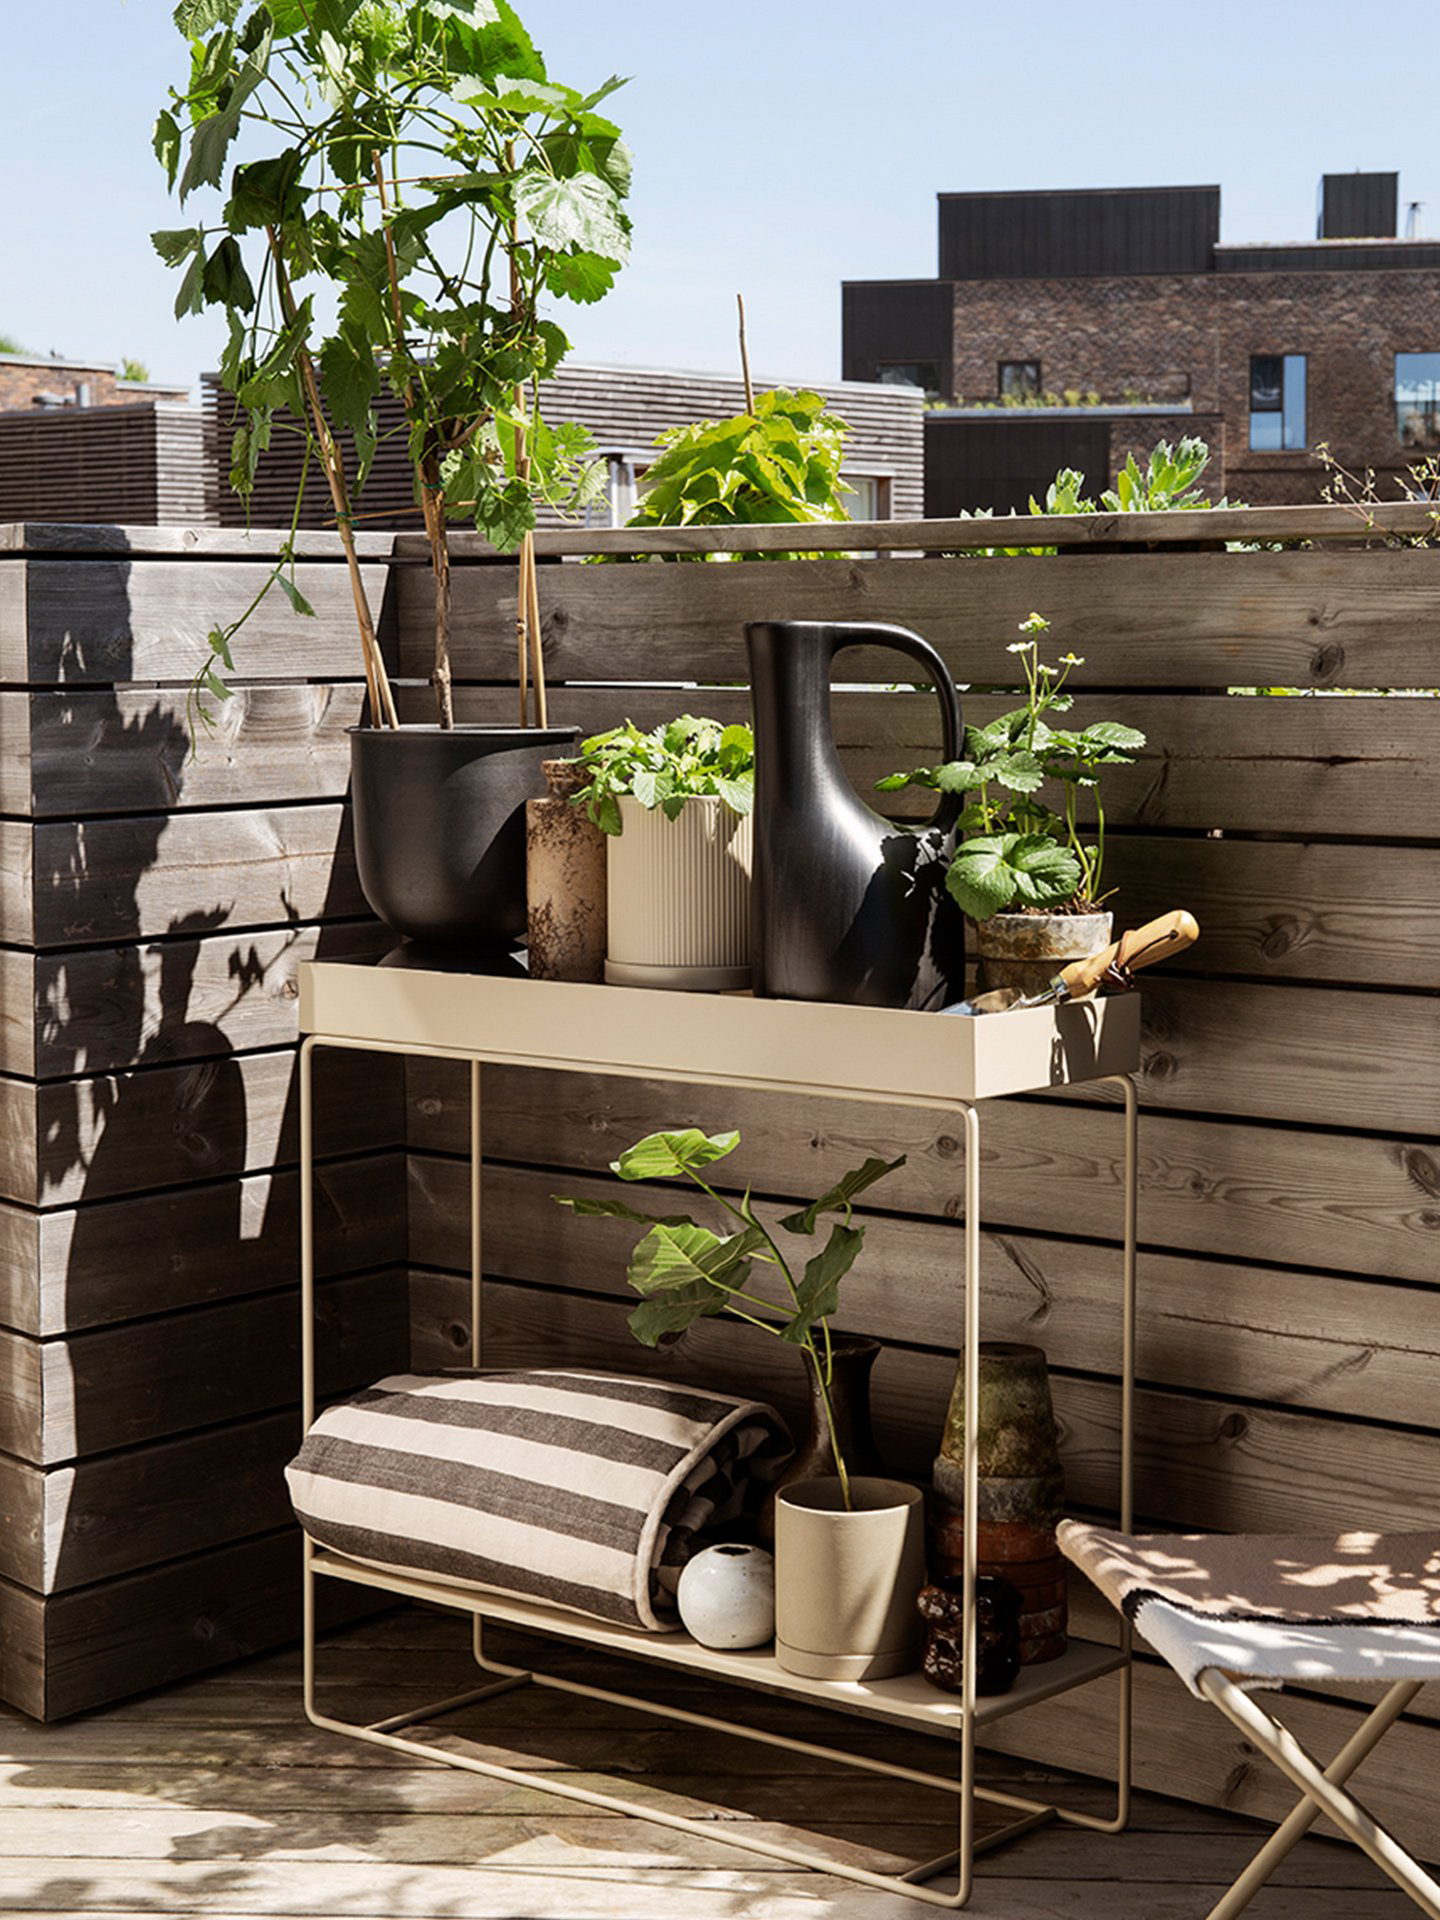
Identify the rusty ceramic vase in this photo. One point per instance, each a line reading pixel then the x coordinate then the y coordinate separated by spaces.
pixel 565 881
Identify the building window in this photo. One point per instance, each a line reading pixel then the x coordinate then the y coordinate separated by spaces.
pixel 1277 401
pixel 1019 379
pixel 1417 399
pixel 924 374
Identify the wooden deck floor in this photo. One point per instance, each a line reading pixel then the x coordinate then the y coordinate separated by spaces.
pixel 216 1798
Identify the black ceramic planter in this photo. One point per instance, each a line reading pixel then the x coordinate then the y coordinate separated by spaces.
pixel 440 826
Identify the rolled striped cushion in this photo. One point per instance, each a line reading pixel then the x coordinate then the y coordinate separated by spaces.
pixel 586 1490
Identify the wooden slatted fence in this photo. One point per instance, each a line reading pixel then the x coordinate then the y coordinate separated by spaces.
pixel 1290 1204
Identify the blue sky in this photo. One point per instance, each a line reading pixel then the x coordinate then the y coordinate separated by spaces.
pixel 781 146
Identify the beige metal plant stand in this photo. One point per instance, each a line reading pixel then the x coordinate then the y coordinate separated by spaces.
pixel 896 1058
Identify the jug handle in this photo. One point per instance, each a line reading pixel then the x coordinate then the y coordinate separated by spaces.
pixel 901 640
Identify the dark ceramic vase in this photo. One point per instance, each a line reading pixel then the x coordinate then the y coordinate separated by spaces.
pixel 997 1633
pixel 845 905
pixel 440 826
pixel 853 1358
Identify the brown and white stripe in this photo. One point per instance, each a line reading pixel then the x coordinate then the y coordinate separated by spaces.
pixel 585 1490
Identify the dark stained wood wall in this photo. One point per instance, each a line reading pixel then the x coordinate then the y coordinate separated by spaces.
pixel 1290 1200
pixel 154 907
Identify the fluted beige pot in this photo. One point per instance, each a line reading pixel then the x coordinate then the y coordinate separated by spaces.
pixel 846 1581
pixel 678 897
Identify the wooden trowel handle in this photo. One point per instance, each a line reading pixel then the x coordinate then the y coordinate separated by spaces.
pixel 1141 947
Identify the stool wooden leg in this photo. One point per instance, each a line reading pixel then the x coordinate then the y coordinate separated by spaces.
pixel 1327 1796
pixel 1357 1748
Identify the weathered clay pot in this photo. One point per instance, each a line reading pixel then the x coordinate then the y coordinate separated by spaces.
pixel 1018 1438
pixel 1026 950
pixel 565 881
pixel 1019 1496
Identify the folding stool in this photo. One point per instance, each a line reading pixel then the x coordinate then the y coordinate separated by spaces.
pixel 1234 1614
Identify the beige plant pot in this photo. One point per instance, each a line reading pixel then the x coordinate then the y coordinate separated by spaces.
pixel 846 1582
pixel 1026 950
pixel 678 898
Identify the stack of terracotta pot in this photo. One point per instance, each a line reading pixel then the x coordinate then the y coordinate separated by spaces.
pixel 1021 1492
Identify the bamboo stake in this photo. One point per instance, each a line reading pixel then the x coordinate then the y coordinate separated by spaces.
pixel 537 651
pixel 432 499
pixel 745 357
pixel 526 641
pixel 377 680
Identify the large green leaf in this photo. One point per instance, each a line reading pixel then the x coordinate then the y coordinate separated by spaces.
pixel 195 18
pixel 841 1195
pixel 993 871
pixel 583 212
pixel 224 282
pixel 617 1210
pixel 818 1293
pixel 664 1156
pixel 665 1314
pixel 679 1256
pixel 349 378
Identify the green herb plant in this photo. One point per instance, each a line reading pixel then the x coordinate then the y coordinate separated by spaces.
pixel 411 186
pixel 779 463
pixel 1018 850
pixel 666 767
pixel 685 1272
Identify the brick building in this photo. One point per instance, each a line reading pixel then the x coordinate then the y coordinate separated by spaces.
pixel 29 380
pixel 1127 303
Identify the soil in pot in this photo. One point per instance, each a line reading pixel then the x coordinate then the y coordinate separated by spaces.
pixel 440 826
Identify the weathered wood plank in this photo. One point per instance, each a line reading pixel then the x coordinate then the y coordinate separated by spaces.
pixel 1213 761
pixel 1318 619
pixel 1344 1202
pixel 1309 522
pixel 102 1518
pixel 15 786
pixel 123 750
pixel 62 1655
pixel 62 539
pixel 14 616
pixel 1216 1465
pixel 63 1271
pixel 17 875
pixel 1361 1060
pixel 83 1140
pixel 199 996
pixel 122 1386
pixel 146 619
pixel 1298 1339
pixel 1284 911
pixel 91 881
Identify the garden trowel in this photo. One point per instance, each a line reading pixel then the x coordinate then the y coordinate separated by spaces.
pixel 1112 966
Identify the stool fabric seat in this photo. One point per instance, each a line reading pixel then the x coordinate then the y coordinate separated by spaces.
pixel 1350 1606
pixel 1232 1613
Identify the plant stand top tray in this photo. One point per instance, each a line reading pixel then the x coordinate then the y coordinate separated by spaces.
pixel 877 1053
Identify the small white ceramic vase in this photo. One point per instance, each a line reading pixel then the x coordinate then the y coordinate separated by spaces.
pixel 727 1597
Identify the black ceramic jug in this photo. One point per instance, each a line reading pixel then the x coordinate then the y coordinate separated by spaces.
pixel 845 904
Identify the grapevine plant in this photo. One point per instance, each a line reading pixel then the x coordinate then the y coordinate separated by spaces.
pixel 406 187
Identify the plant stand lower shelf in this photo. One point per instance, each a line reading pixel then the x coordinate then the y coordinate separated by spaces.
pixel 824 1051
